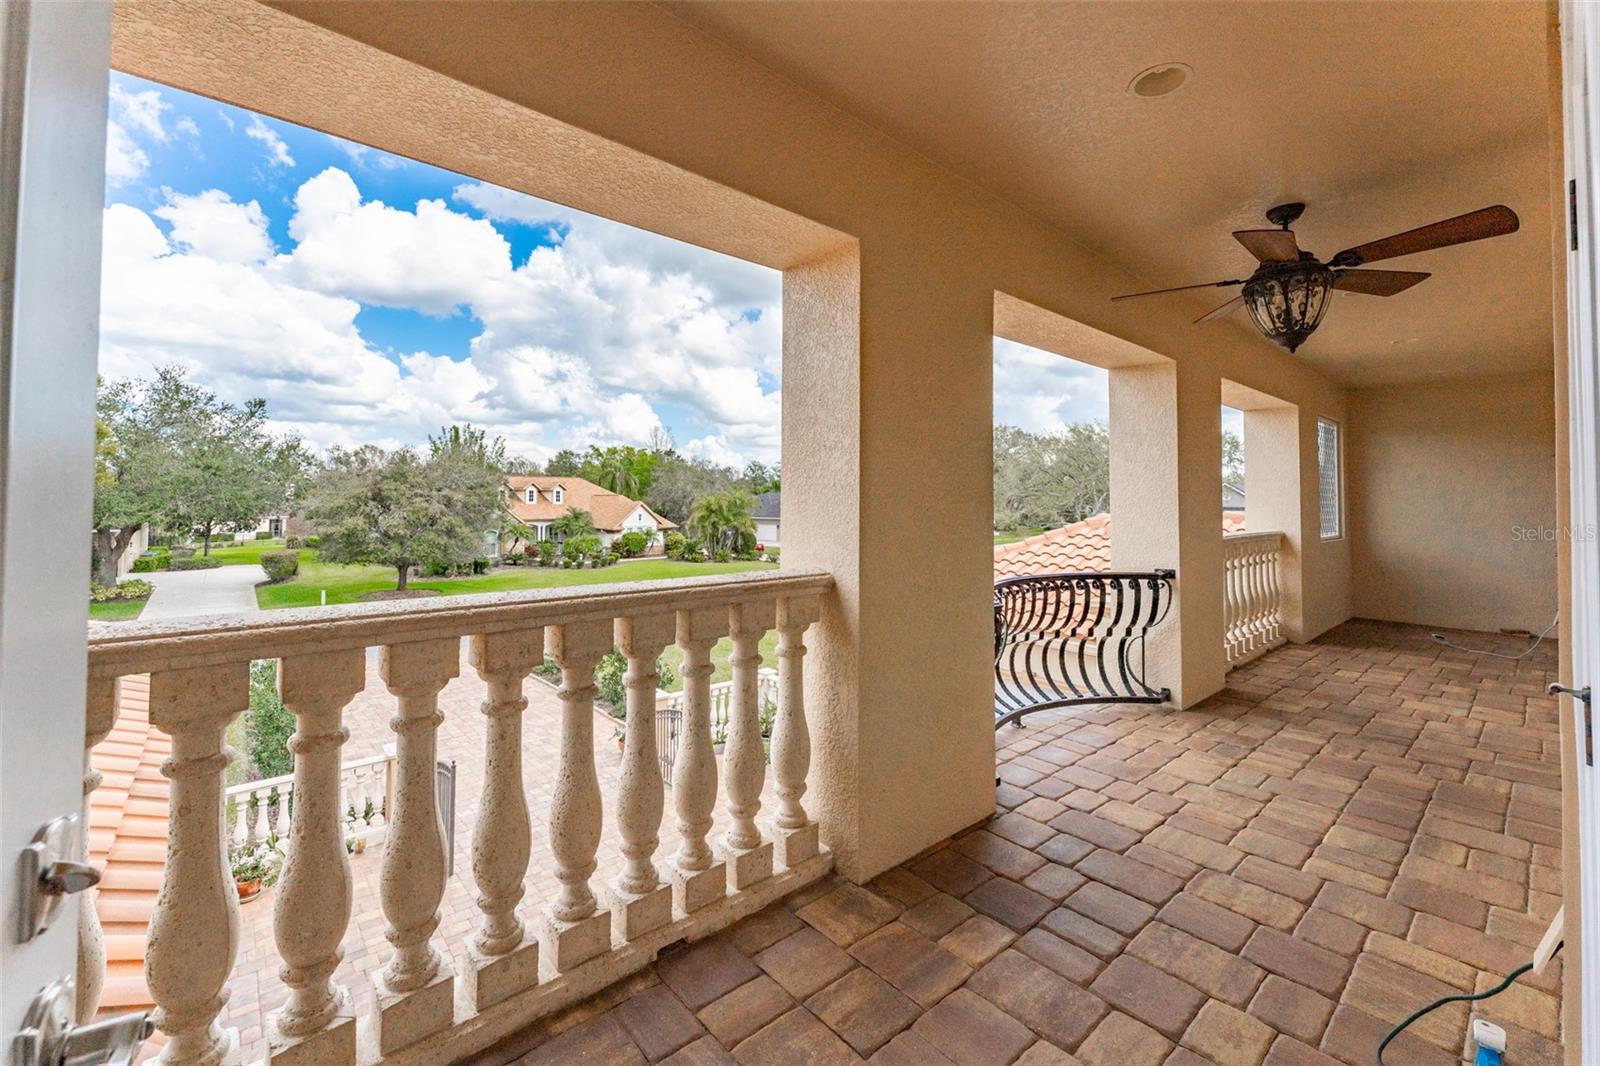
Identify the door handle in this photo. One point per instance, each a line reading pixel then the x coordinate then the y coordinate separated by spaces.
pixel 1581 695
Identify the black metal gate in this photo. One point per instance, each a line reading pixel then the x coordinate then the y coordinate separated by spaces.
pixel 669 725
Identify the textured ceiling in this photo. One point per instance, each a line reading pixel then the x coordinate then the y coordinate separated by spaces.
pixel 1380 116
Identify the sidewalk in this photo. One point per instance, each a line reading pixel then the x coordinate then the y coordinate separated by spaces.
pixel 185 593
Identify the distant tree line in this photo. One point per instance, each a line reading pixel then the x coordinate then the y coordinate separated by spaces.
pixel 660 475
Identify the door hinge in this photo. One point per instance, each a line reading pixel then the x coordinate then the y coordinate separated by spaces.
pixel 1581 695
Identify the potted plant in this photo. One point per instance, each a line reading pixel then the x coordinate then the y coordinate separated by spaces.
pixel 254 866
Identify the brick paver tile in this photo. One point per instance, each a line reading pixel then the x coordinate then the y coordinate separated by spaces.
pixel 1353 1037
pixel 1124 1041
pixel 970 1031
pixel 1300 961
pixel 1224 1034
pixel 950 871
pixel 1442 902
pixel 763 929
pixel 703 1052
pixel 600 1040
pixel 1371 911
pixel 1332 931
pixel 1155 998
pixel 1292 1008
pixel 999 854
pixel 1219 974
pixel 1009 903
pixel 1111 908
pixel 1096 830
pixel 704 971
pixel 1049 1004
pixel 1054 881
pixel 911 962
pixel 804 962
pixel 1044 1053
pixel 1287 1051
pixel 736 1015
pixel 1065 958
pixel 909 1049
pixel 1020 830
pixel 657 1021
pixel 863 1009
pixel 1207 921
pixel 796 1039
pixel 977 940
pixel 848 913
pixel 1389 991
pixel 937 915
pixel 1130 876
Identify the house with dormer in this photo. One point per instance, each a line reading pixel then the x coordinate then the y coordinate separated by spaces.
pixel 537 502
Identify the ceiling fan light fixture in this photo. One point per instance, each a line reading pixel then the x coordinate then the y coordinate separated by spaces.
pixel 1287 300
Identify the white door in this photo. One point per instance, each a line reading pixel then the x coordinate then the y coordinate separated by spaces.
pixel 53 71
pixel 1580 32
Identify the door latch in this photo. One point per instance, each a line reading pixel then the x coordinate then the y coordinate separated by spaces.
pixel 50 873
pixel 1582 695
pixel 48 1036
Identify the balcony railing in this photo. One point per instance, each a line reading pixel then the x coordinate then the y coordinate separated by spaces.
pixel 256 809
pixel 426 1010
pixel 669 715
pixel 1252 594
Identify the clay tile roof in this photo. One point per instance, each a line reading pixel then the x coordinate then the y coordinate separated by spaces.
pixel 1079 548
pixel 608 509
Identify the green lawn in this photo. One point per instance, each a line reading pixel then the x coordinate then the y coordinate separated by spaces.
pixel 1011 536
pixel 115 610
pixel 249 552
pixel 347 584
pixel 673 657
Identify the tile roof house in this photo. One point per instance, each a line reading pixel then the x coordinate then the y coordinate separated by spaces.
pixel 536 502
pixel 1078 548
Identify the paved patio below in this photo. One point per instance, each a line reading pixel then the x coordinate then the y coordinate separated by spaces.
pixel 1352 829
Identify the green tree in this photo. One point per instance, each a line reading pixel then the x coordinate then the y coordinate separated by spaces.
pixel 268 723
pixel 620 469
pixel 1051 479
pixel 398 509
pixel 759 478
pixel 565 463
pixel 723 521
pixel 678 482
pixel 1232 460
pixel 170 453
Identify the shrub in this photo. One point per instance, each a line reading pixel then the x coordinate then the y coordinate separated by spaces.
pixel 547 559
pixel 280 566
pixel 608 679
pixel 131 589
pixel 264 535
pixel 293 543
pixel 182 551
pixel 194 562
pixel 609 559
pixel 156 559
pixel 571 552
pixel 771 555
pixel 548 669
pixel 673 543
pixel 723 555
pixel 268 723
pixel 480 565
pixel 632 543
pixel 314 541
pixel 514 559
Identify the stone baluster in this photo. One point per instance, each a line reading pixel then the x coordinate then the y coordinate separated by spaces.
pixel 194 930
pixel 100 717
pixel 415 991
pixel 698 877
pixel 503 958
pixel 254 817
pixel 794 834
pixel 574 930
pixel 312 908
pixel 639 901
pixel 748 856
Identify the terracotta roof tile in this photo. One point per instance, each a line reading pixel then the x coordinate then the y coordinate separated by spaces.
pixel 1082 547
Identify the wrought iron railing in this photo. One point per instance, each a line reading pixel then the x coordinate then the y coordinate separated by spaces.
pixel 1066 639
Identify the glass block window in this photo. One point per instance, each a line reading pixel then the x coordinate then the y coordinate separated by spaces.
pixel 1328 500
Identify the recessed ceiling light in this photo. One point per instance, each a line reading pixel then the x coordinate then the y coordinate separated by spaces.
pixel 1162 79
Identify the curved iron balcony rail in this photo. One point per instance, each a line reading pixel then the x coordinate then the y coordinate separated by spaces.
pixel 1062 640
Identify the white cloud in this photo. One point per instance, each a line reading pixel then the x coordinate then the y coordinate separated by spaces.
pixel 586 342
pixel 141 111
pixel 277 151
pixel 187 125
pixel 125 160
pixel 212 225
pixel 1043 392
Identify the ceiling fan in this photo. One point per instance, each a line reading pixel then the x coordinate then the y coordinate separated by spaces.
pixel 1288 293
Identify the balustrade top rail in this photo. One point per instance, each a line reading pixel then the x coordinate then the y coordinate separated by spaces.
pixel 137 648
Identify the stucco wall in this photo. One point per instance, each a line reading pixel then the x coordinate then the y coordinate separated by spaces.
pixel 1451 503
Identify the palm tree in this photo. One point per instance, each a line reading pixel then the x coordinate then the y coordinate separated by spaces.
pixel 722 520
pixel 616 474
pixel 575 523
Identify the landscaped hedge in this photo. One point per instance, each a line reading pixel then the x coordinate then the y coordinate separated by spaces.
pixel 131 589
pixel 154 559
pixel 195 562
pixel 280 566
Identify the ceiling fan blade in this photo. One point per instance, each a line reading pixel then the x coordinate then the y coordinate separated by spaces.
pixel 1182 288
pixel 1269 245
pixel 1378 282
pixel 1493 221
pixel 1226 309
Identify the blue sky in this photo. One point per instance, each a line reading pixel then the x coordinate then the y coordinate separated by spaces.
pixel 371 299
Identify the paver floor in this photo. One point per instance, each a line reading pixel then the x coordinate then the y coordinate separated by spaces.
pixel 189 593
pixel 1351 829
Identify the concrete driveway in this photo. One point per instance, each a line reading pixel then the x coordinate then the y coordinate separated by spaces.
pixel 182 593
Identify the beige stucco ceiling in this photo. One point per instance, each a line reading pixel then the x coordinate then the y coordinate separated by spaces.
pixel 1380 116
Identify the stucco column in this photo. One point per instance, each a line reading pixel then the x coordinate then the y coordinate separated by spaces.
pixel 1272 499
pixel 888 484
pixel 1166 511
